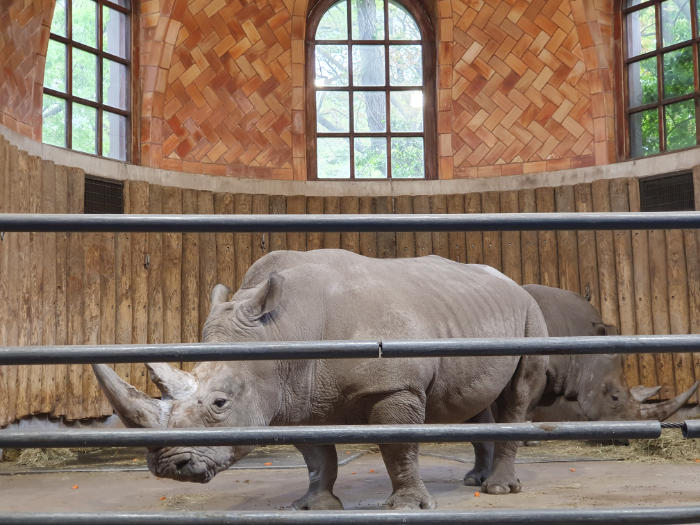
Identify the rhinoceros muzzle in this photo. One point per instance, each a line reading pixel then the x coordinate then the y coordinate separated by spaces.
pixel 181 464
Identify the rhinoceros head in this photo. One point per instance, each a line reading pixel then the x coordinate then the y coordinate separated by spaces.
pixel 215 394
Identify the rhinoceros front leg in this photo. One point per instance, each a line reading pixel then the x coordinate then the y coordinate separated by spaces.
pixel 322 462
pixel 527 384
pixel 401 459
pixel 483 453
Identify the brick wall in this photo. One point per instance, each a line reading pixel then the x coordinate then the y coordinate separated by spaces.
pixel 524 86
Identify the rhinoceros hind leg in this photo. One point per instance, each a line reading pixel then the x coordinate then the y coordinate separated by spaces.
pixel 483 453
pixel 322 462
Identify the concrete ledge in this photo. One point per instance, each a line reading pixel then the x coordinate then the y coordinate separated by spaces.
pixel 668 163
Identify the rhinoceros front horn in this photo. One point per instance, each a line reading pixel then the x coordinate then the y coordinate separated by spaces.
pixel 134 408
pixel 663 410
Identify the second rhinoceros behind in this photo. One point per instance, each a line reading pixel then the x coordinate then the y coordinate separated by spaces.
pixel 334 294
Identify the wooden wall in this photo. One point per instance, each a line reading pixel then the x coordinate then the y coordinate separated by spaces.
pixel 62 288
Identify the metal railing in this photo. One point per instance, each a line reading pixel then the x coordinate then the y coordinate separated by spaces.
pixel 346 349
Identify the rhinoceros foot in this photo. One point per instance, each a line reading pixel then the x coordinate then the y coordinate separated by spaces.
pixel 322 500
pixel 474 478
pixel 408 499
pixel 500 487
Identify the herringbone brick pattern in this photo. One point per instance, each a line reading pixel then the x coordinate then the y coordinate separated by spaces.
pixel 228 94
pixel 24 33
pixel 520 93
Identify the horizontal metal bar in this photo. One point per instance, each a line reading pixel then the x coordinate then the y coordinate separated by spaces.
pixel 327 434
pixel 12 222
pixel 691 428
pixel 657 516
pixel 85 354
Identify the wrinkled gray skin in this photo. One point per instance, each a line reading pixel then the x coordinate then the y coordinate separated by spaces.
pixel 579 387
pixel 334 294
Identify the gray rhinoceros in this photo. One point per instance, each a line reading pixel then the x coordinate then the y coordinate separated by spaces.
pixel 579 387
pixel 335 294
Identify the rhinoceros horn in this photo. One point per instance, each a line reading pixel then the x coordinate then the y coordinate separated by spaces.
pixel 133 407
pixel 641 393
pixel 661 411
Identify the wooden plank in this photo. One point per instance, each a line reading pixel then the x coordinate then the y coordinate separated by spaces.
pixel 108 308
pixel 4 276
pixel 190 277
pixel 491 203
pixel 624 267
pixel 567 242
pixel 243 205
pixel 278 206
pixel 692 261
pixel 350 240
pixel 48 296
pixel 155 270
pixel 529 245
pixel 405 241
pixel 138 203
pixel 642 289
pixel 457 240
pixel 424 240
pixel 547 241
pixel 91 319
pixel 441 240
pixel 679 315
pixel 314 240
pixel 606 257
pixel 510 241
pixel 368 240
pixel 36 286
pixel 124 313
pixel 61 306
pixel 75 295
pixel 260 241
pixel 331 205
pixel 207 260
pixel 386 241
pixel 296 204
pixel 475 240
pixel 225 257
pixel 172 271
pixel 587 251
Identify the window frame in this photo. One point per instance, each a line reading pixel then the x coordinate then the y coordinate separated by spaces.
pixel 101 54
pixel 658 53
pixel 429 89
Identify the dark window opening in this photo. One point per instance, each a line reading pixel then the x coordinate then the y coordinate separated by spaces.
pixel 667 193
pixel 103 195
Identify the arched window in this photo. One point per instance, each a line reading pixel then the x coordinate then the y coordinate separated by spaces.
pixel 87 77
pixel 370 90
pixel 661 73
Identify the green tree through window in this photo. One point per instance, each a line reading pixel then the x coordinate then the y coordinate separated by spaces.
pixel 371 92
pixel 87 77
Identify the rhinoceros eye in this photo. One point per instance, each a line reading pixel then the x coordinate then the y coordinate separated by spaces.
pixel 220 402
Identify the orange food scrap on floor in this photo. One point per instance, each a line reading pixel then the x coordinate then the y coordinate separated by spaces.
pixel 371 471
pixel 477 494
pixel 75 486
pixel 697 460
pixel 347 452
pixel 572 469
pixel 162 498
pixel 267 464
pixel 353 473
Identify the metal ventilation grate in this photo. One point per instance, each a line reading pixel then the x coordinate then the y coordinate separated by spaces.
pixel 667 193
pixel 103 195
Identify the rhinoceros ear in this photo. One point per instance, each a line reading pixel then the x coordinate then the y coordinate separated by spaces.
pixel 265 297
pixel 219 294
pixel 604 329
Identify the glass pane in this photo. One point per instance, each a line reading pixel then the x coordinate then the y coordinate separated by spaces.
pixel 405 65
pixel 632 3
pixel 123 3
pixel 334 23
pixel 407 158
pixel 58 24
pixel 84 74
pixel 333 158
pixel 407 111
pixel 368 65
pixel 55 69
pixel 84 127
pixel 402 25
pixel 675 21
pixel 53 126
pixel 641 31
pixel 115 28
pixel 114 128
pixel 332 111
pixel 369 108
pixel 115 84
pixel 331 65
pixel 680 125
pixel 370 158
pixel 678 72
pixel 85 22
pixel 643 87
pixel 367 19
pixel 644 133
